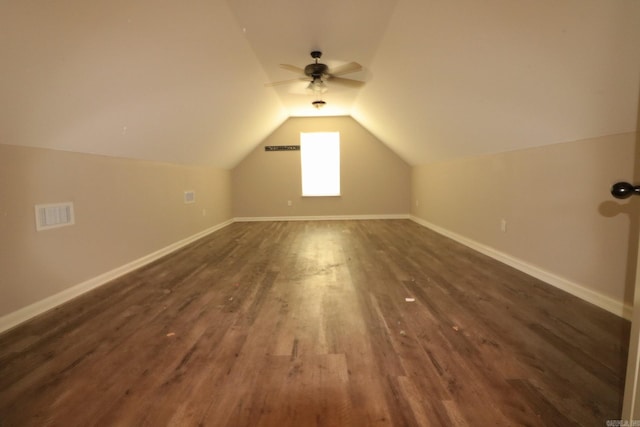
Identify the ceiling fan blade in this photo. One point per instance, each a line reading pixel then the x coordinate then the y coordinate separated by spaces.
pixel 351 67
pixel 286 82
pixel 292 68
pixel 347 82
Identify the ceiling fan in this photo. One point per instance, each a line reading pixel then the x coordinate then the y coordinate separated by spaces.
pixel 319 73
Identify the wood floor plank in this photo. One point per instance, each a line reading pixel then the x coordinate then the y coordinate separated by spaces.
pixel 307 323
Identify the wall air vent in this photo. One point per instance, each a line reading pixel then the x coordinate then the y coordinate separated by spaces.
pixel 54 215
pixel 190 196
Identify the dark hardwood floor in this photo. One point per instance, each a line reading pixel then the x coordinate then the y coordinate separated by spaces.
pixel 306 323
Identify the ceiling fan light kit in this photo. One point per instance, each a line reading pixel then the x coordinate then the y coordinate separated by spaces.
pixel 317 86
pixel 320 73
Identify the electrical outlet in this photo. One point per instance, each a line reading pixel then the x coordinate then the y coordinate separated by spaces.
pixel 289 203
pixel 503 225
pixel 417 202
pixel 204 212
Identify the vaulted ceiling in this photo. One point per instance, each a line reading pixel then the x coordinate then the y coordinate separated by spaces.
pixel 184 82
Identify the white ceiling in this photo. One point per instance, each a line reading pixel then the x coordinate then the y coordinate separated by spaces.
pixel 466 77
pixel 286 31
pixel 183 82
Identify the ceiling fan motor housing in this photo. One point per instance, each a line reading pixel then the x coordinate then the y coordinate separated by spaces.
pixel 316 70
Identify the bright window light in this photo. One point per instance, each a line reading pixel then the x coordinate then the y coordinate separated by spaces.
pixel 320 159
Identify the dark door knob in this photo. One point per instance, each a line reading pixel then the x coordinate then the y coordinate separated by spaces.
pixel 622 190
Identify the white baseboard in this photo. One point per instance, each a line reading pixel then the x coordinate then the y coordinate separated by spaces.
pixel 321 218
pixel 15 318
pixel 611 305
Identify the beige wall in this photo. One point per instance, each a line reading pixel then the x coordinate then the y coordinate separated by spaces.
pixel 124 209
pixel 374 180
pixel 555 199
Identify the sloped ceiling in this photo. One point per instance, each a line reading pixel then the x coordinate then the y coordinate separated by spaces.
pixel 286 31
pixel 183 82
pixel 462 78
pixel 153 79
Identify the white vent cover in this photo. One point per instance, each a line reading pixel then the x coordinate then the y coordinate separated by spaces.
pixel 190 196
pixel 54 215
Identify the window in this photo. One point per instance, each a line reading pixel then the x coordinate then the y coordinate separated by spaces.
pixel 320 160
